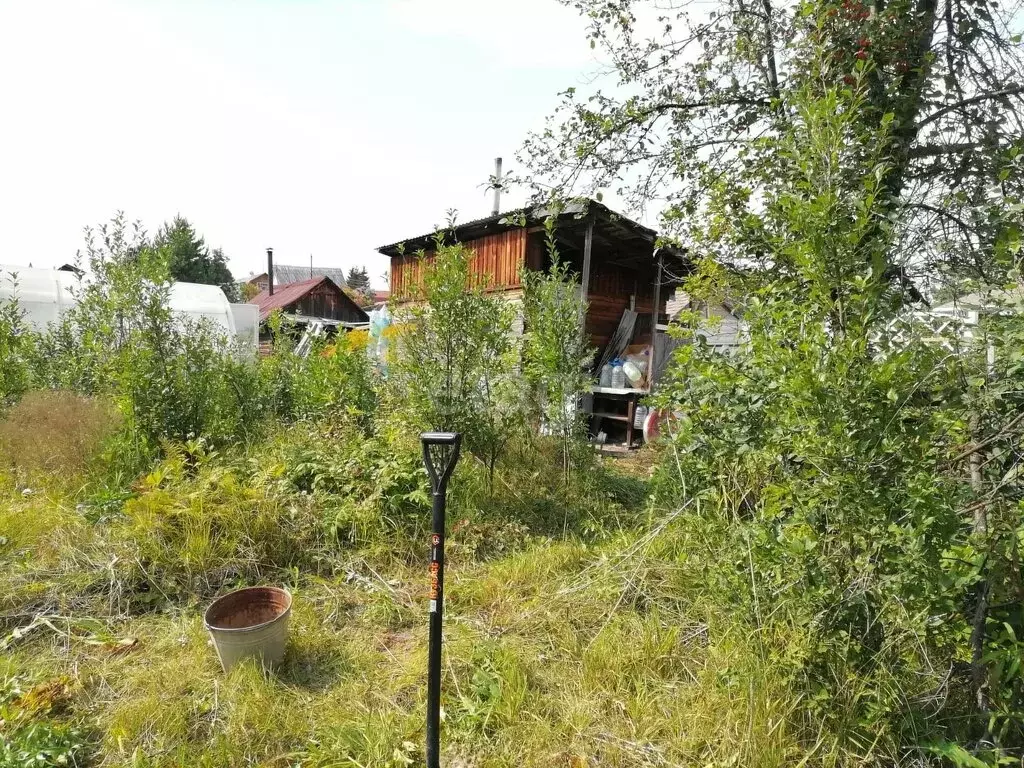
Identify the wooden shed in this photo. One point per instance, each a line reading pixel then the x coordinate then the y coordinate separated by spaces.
pixel 625 275
pixel 618 262
pixel 318 301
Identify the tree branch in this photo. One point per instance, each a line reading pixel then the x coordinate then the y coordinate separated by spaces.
pixel 935 150
pixel 1015 90
pixel 769 35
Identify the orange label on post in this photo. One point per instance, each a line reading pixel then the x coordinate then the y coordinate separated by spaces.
pixel 434 568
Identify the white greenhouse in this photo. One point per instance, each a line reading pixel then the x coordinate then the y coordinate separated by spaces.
pixel 46 294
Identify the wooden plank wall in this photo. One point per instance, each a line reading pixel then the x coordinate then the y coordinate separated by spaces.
pixel 611 287
pixel 328 302
pixel 496 262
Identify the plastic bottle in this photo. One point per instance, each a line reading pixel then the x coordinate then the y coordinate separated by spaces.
pixel 633 373
pixel 618 375
pixel 606 375
pixel 639 416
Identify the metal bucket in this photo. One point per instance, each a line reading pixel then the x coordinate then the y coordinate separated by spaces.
pixel 251 622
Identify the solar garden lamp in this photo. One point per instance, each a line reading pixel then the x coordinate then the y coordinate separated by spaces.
pixel 440 454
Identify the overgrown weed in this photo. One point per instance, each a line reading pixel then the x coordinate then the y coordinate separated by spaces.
pixel 567 639
pixel 54 439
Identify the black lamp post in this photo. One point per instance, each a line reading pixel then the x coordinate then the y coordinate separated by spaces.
pixel 440 454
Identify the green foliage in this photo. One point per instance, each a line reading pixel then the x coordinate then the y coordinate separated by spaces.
pixel 334 380
pixel 372 490
pixel 175 379
pixel 196 525
pixel 556 355
pixel 190 261
pixel 822 464
pixel 29 736
pixel 686 92
pixel 16 350
pixel 456 355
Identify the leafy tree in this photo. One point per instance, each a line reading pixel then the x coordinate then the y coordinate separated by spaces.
pixel 555 349
pixel 828 462
pixel 173 379
pixel 454 366
pixel 696 92
pixel 249 291
pixel 190 261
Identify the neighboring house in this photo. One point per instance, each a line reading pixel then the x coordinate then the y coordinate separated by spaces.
pixel 973 306
pixel 285 274
pixel 317 301
pixel 725 328
pixel 955 323
pixel 380 298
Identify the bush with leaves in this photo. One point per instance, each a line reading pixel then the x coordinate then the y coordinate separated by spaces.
pixel 16 350
pixel 455 364
pixel 198 522
pixel 173 378
pixel 825 461
pixel 556 353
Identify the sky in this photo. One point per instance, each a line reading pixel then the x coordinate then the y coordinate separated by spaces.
pixel 317 128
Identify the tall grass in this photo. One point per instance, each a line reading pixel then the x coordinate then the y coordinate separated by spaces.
pixel 577 633
pixel 55 438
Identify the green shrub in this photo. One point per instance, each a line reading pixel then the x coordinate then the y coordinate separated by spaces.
pixel 196 525
pixel 455 357
pixel 16 350
pixel 818 473
pixel 556 351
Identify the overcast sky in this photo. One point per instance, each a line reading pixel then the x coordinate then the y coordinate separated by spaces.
pixel 323 128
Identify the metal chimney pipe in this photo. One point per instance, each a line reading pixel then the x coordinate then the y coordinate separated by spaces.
pixel 270 270
pixel 497 187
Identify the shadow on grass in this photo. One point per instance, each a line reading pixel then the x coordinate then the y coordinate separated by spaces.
pixel 315 667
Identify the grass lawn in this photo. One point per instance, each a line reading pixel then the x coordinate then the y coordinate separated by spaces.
pixel 571 637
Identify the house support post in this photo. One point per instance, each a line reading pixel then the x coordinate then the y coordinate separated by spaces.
pixel 588 245
pixel 655 316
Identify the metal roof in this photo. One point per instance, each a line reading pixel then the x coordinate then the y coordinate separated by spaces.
pixel 289 273
pixel 286 295
pixel 286 273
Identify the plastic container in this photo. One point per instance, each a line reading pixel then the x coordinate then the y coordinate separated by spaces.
pixel 639 416
pixel 634 373
pixel 251 622
pixel 618 375
pixel 606 375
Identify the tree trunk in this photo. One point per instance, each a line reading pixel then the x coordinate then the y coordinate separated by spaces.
pixel 979 675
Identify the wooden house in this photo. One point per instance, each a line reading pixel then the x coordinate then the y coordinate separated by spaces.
pixel 625 276
pixel 318 301
pixel 618 262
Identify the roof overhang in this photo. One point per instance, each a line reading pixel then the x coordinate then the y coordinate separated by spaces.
pixel 617 238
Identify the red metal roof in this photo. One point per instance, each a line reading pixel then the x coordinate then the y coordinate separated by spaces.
pixel 285 295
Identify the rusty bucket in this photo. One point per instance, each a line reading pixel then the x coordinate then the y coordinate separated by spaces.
pixel 251 622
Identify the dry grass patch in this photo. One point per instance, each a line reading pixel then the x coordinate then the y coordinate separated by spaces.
pixel 54 438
